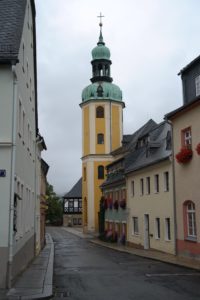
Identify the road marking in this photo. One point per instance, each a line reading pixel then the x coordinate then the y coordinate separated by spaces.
pixel 171 274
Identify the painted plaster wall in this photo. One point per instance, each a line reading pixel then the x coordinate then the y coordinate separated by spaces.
pixel 6 100
pixel 156 205
pixel 111 127
pixel 25 168
pixel 187 178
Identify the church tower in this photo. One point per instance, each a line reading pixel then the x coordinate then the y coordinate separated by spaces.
pixel 102 130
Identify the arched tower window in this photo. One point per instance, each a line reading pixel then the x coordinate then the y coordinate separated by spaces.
pixel 189 220
pixel 100 138
pixel 100 172
pixel 100 112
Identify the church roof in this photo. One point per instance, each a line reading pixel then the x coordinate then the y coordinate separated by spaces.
pixel 12 14
pixel 76 191
pixel 110 91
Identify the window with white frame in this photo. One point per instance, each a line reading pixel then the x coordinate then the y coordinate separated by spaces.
pixel 141 186
pixel 148 185
pixel 20 118
pixel 135 226
pixel 187 138
pixel 157 228
pixel 191 220
pixel 156 183
pixel 23 125
pixel 166 181
pixel 197 85
pixel 167 229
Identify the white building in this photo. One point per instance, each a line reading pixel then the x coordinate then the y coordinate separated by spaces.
pixel 19 139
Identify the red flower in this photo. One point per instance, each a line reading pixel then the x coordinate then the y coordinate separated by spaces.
pixel 198 149
pixel 184 155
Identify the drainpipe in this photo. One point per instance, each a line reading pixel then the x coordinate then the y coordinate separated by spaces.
pixel 174 189
pixel 12 177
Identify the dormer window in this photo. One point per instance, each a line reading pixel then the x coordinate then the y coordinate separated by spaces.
pixel 197 85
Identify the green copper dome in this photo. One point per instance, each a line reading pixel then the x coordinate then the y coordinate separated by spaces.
pixel 101 52
pixel 102 90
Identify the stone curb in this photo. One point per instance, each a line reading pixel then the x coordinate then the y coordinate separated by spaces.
pixel 165 258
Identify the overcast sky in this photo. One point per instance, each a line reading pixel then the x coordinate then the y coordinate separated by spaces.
pixel 150 41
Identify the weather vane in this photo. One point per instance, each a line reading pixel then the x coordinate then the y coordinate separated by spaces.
pixel 100 17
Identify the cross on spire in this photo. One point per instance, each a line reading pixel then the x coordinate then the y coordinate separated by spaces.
pixel 100 17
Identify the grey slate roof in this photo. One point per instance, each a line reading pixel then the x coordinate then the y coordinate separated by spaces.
pixel 76 191
pixel 11 25
pixel 155 151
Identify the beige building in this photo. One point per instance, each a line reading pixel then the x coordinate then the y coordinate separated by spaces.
pixel 150 192
pixel 186 140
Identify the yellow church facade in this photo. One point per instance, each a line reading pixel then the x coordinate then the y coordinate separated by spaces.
pixel 102 130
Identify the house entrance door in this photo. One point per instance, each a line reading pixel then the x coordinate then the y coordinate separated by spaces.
pixel 146 232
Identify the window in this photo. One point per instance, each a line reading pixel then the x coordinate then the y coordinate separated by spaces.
pixel 133 188
pixel 99 112
pixel 197 85
pixel 166 181
pixel 75 221
pixel 84 174
pixel 135 226
pixel 23 57
pixel 167 229
pixel 79 221
pixel 157 223
pixel 100 138
pixel 20 118
pixel 156 183
pixel 191 220
pixel 148 185
pixel 100 172
pixel 23 125
pixel 187 138
pixel 141 186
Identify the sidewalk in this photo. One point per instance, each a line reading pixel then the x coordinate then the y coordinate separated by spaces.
pixel 36 282
pixel 151 254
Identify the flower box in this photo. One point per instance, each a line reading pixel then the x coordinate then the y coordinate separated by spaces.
pixel 184 155
pixel 116 205
pixel 198 149
pixel 122 204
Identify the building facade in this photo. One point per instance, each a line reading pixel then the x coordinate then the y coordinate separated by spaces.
pixel 19 152
pixel 101 130
pixel 186 141
pixel 149 181
pixel 72 206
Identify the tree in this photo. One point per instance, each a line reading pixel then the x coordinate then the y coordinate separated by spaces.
pixel 54 213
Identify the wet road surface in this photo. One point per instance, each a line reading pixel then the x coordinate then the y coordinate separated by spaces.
pixel 84 271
